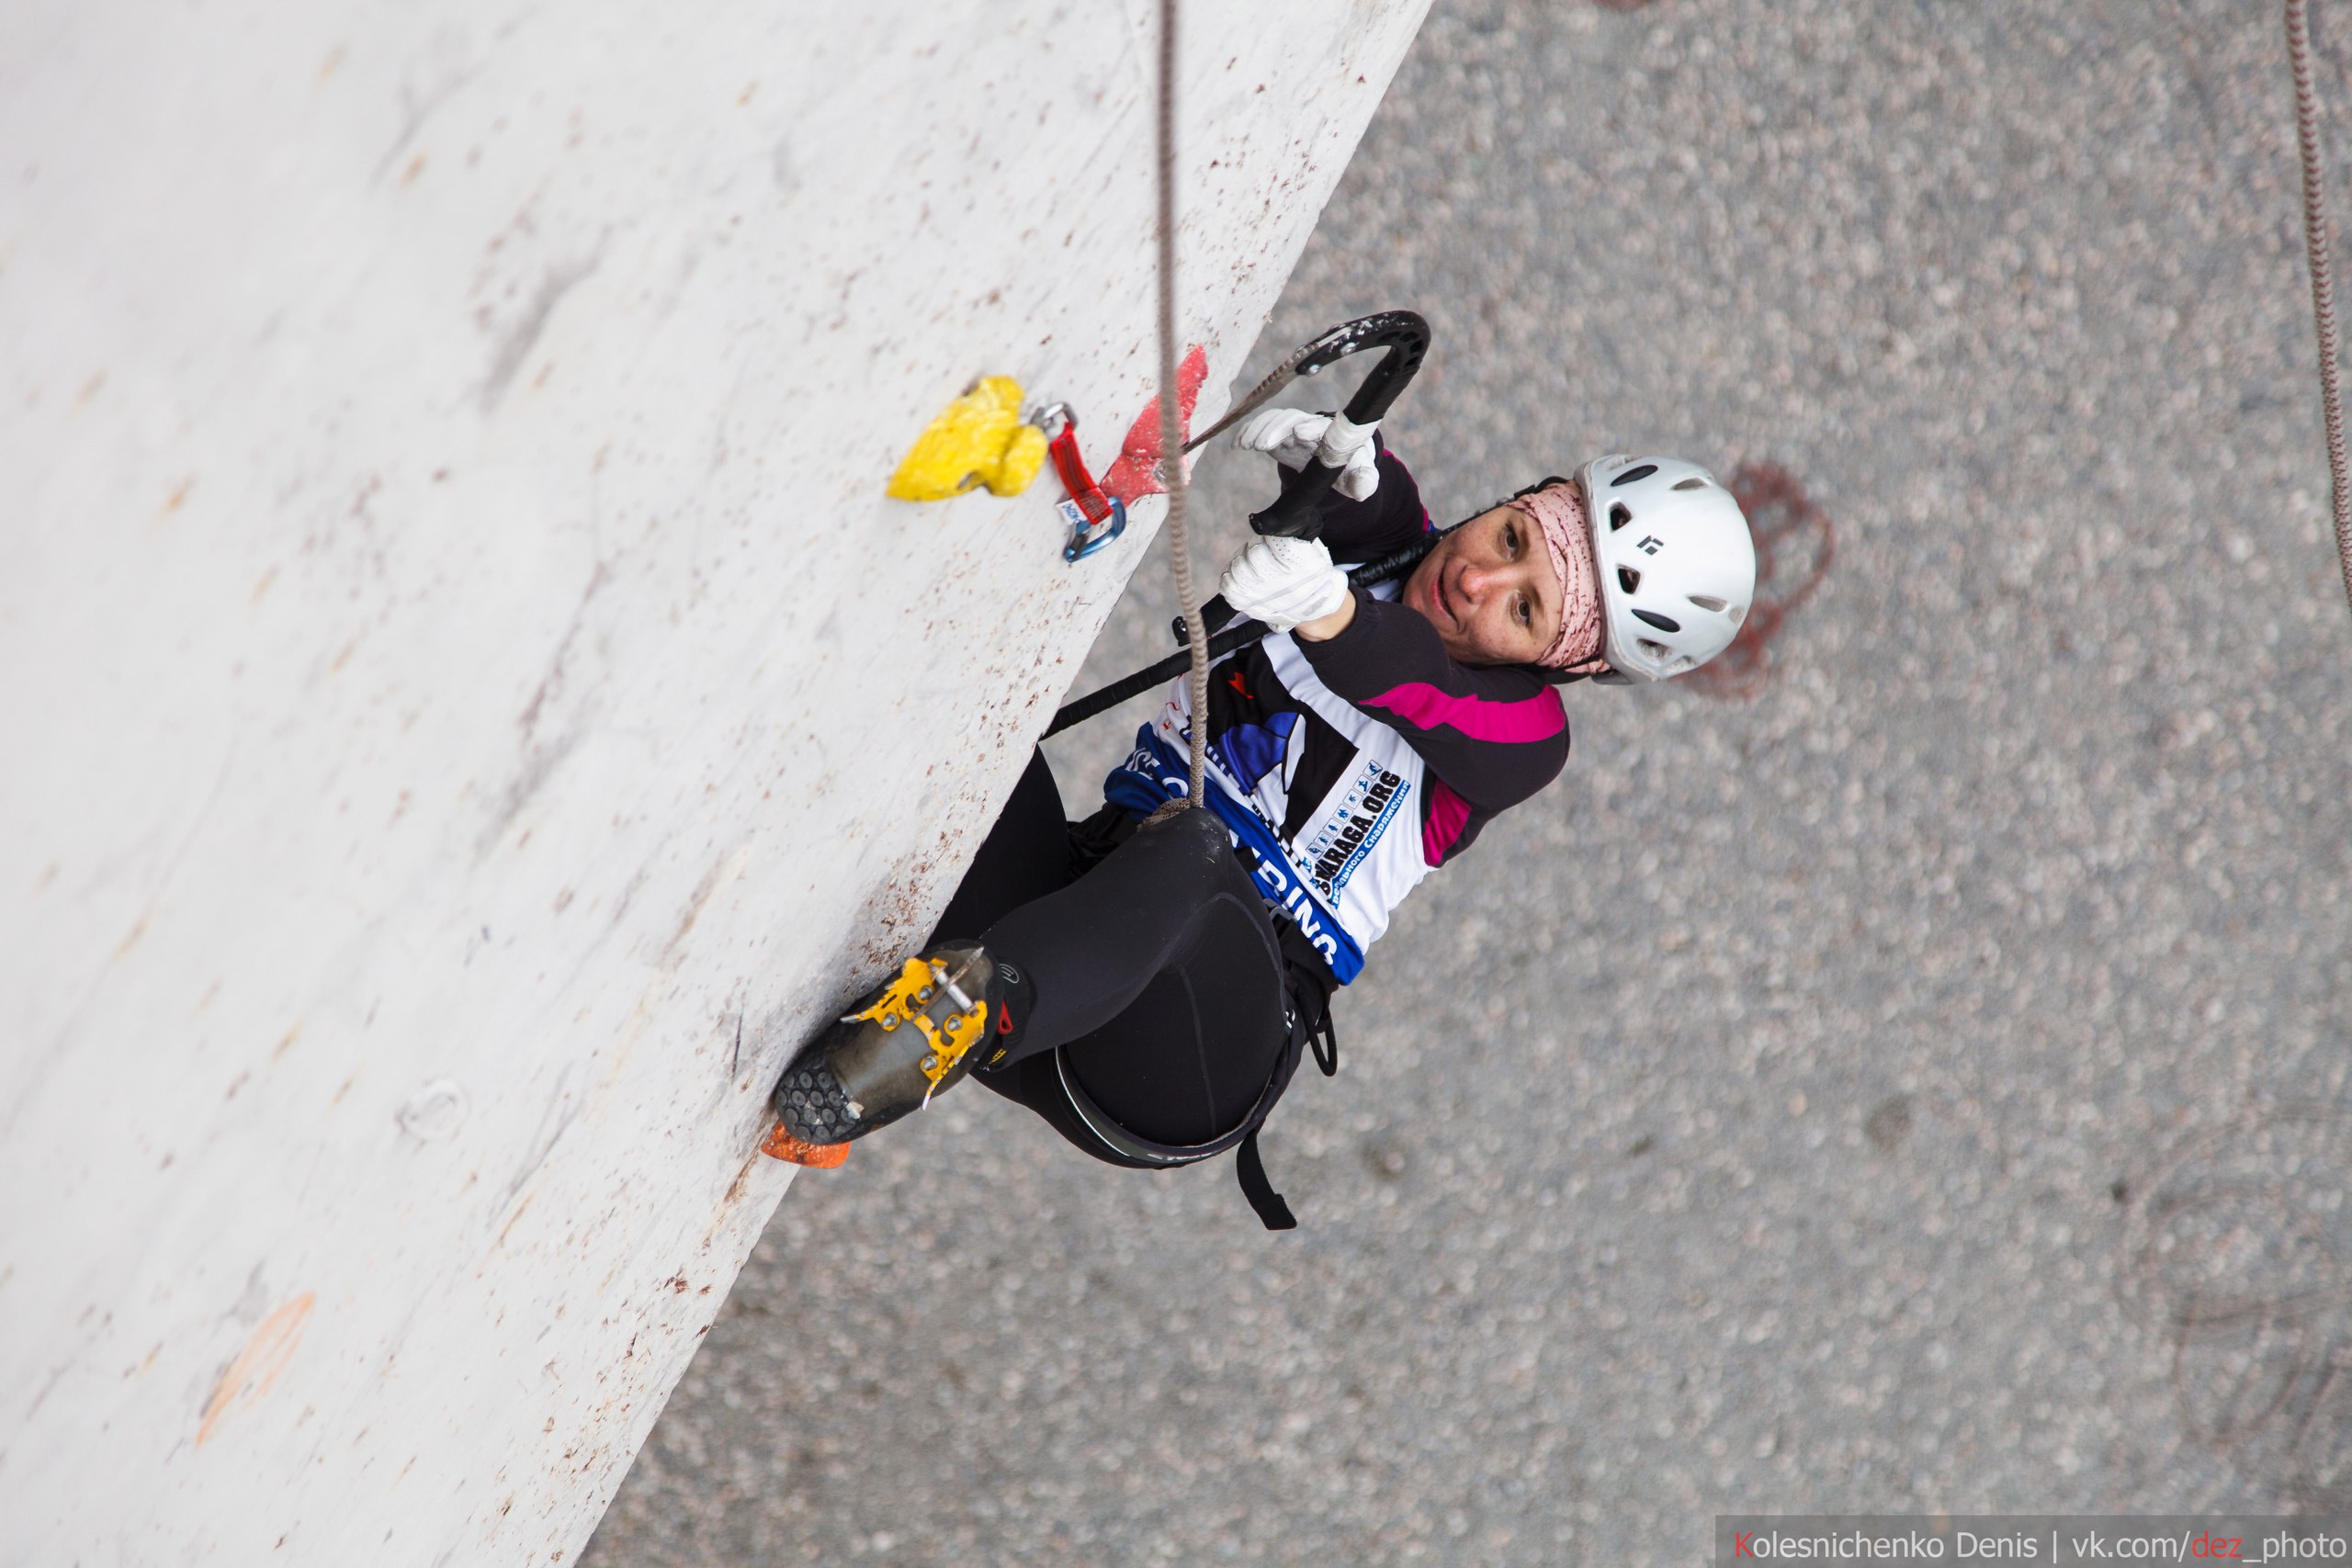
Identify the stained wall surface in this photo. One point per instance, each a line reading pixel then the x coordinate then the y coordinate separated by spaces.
pixel 470 709
pixel 1918 1080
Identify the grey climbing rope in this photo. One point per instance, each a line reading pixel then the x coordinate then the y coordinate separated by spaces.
pixel 2299 56
pixel 1171 429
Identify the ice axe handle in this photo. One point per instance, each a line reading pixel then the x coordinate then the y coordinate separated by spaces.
pixel 1406 336
pixel 1293 513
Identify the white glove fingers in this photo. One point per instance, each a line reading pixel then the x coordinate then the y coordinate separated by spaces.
pixel 1361 478
pixel 1270 428
pixel 1343 439
pixel 1287 435
pixel 1284 581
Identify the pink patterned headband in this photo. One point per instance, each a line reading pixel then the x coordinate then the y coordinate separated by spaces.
pixel 1558 513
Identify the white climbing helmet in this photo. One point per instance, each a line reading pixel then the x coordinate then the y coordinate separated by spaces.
pixel 1678 565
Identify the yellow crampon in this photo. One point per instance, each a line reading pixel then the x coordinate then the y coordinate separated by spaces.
pixel 951 1030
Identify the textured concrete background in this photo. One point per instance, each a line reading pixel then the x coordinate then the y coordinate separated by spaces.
pixel 1914 1089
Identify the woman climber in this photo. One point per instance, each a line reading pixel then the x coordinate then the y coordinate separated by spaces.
pixel 1147 979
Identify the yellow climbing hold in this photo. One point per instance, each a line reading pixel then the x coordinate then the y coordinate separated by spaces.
pixel 979 440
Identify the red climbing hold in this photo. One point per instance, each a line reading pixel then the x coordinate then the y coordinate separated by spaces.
pixel 1131 477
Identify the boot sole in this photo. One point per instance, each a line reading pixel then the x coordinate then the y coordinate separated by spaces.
pixel 811 1104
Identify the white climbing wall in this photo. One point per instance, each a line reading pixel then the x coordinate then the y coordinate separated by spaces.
pixel 468 708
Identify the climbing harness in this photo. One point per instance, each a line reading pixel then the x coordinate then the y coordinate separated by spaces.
pixel 2299 58
pixel 1095 519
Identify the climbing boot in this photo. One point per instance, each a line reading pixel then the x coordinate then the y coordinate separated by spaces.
pixel 910 1039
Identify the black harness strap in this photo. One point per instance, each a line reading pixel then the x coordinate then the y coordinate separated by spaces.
pixel 1324 1042
pixel 1249 1164
pixel 1261 1192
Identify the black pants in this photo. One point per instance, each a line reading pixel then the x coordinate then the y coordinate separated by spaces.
pixel 1155 968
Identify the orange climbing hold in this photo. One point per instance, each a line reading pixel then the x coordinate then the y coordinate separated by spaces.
pixel 979 440
pixel 782 1145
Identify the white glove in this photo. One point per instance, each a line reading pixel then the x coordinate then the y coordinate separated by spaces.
pixel 1283 582
pixel 1291 436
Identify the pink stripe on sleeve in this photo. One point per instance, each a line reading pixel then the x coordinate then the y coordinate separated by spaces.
pixel 1538 718
pixel 1448 812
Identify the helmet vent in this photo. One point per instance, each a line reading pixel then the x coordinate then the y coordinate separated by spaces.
pixel 1693 482
pixel 1633 475
pixel 1629 580
pixel 1653 649
pixel 1663 623
pixel 1619 515
pixel 1709 601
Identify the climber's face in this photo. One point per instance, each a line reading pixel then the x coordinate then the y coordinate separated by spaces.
pixel 1490 589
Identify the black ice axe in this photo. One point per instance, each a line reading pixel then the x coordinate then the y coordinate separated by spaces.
pixel 1403 334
